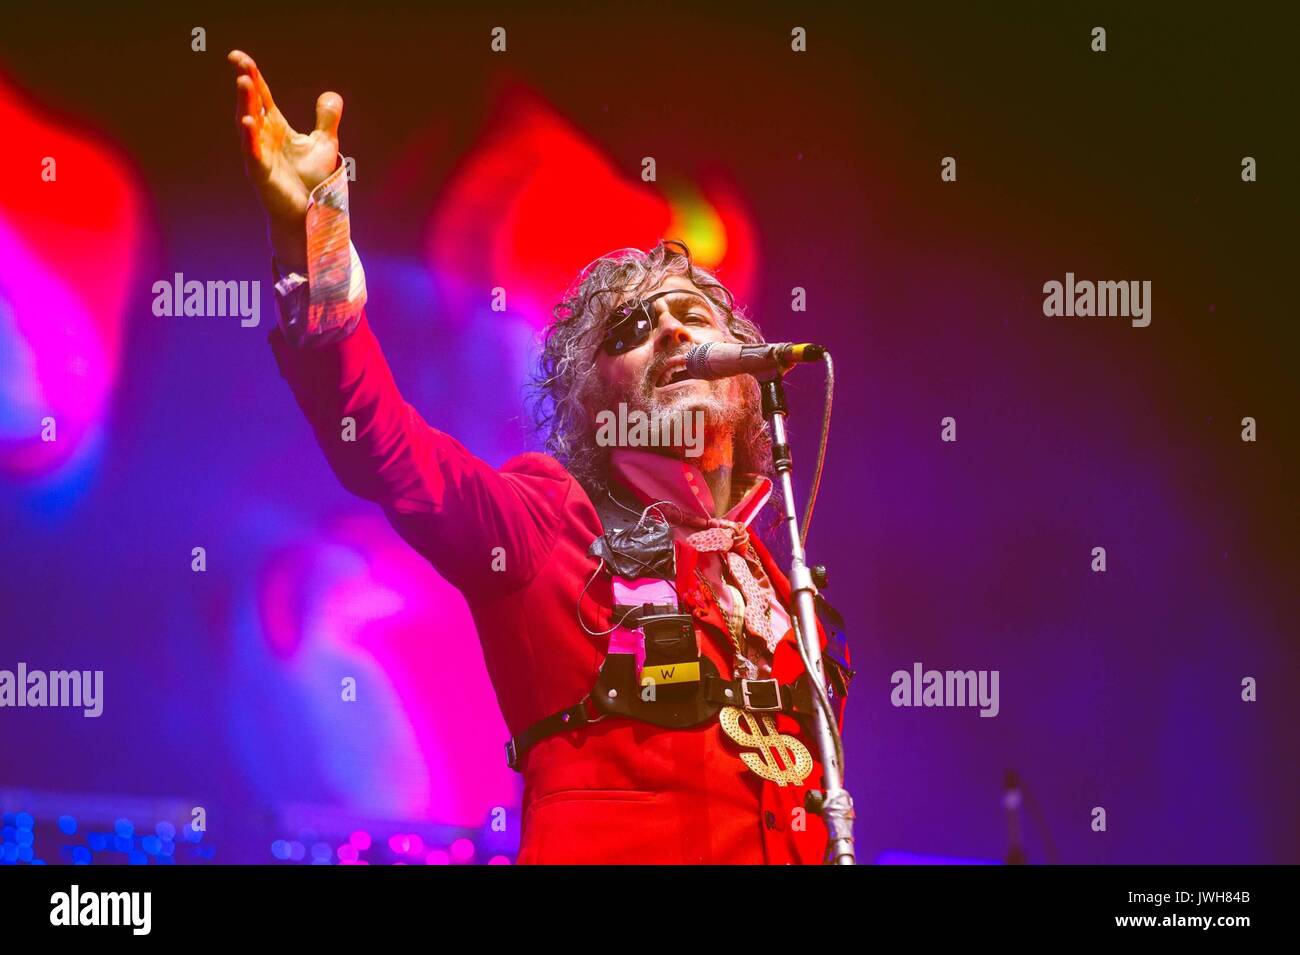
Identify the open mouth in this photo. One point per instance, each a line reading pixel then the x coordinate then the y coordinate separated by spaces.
pixel 674 372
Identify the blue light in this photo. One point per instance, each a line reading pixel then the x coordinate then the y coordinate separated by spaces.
pixel 8 833
pixel 165 830
pixel 9 852
pixel 123 844
pixel 321 850
pixel 193 835
pixel 124 828
pixel 67 825
pixel 166 860
pixel 167 848
pixel 38 862
pixel 137 858
pixel 80 856
pixel 97 841
pixel 280 849
pixel 25 837
pixel 25 853
pixel 24 820
pixel 208 852
pixel 8 818
pixel 151 845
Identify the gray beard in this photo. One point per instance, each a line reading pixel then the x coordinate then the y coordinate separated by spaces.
pixel 723 414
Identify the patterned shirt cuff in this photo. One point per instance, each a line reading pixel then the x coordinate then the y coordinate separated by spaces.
pixel 325 305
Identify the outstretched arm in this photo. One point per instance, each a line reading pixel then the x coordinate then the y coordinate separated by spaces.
pixel 451 506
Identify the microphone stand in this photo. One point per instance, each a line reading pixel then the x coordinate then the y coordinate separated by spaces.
pixel 835 805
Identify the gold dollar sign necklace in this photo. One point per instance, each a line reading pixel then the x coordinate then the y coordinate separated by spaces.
pixel 784 760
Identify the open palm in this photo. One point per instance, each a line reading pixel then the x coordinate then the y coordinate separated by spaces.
pixel 283 164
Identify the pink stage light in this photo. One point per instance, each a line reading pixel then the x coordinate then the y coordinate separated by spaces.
pixel 71 217
pixel 462 850
pixel 537 198
pixel 352 599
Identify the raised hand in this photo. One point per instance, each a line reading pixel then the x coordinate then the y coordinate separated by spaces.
pixel 284 165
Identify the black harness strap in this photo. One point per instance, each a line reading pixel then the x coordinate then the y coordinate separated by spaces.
pixel 757 696
pixel 566 719
pixel 671 705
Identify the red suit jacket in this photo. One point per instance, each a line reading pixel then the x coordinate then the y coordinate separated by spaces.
pixel 620 791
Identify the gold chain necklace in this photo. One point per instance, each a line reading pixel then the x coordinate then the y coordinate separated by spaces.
pixel 735 624
pixel 781 758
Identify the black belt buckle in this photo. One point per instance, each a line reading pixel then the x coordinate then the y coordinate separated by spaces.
pixel 771 691
pixel 512 754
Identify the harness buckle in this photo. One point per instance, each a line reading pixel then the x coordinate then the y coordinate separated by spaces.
pixel 586 714
pixel 773 693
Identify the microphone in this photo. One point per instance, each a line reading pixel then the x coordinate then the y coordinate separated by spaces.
pixel 725 359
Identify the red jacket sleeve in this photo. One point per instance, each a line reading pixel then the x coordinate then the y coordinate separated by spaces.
pixel 452 507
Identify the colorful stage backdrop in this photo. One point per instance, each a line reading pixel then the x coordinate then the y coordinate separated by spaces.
pixel 921 179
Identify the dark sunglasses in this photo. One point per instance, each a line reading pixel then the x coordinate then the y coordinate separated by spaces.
pixel 632 323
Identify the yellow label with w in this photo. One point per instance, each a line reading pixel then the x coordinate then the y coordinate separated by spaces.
pixel 671 673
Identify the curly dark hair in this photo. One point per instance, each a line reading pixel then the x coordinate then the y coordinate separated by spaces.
pixel 565 373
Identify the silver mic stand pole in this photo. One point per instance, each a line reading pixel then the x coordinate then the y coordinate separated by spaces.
pixel 836 805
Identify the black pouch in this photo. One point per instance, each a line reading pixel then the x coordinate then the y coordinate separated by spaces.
pixel 671 689
pixel 639 550
pixel 671 651
pixel 617 694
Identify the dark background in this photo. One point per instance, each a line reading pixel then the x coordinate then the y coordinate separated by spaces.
pixel 1119 690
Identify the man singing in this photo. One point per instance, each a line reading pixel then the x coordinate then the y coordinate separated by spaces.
pixel 637 633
